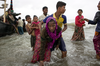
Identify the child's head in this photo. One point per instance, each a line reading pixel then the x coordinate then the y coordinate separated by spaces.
pixel 60 6
pixel 80 11
pixel 51 24
pixel 98 5
pixel 45 10
pixel 35 18
pixel 28 18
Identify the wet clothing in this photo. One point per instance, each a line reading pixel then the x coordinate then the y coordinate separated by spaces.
pixel 45 39
pixel 33 37
pixel 60 21
pixel 33 40
pixel 20 27
pixel 77 22
pixel 20 30
pixel 96 39
pixel 79 31
pixel 78 34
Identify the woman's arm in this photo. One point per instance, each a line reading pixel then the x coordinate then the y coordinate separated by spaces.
pixel 43 45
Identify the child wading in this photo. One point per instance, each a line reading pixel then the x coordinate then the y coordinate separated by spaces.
pixel 30 31
pixel 36 28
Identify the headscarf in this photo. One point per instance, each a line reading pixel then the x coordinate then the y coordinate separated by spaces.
pixel 52 35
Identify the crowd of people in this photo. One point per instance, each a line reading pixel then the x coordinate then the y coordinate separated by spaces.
pixel 18 23
pixel 46 31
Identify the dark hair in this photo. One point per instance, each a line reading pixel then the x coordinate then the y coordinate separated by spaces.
pixel 52 21
pixel 60 4
pixel 19 17
pixel 45 7
pixel 34 16
pixel 27 16
pixel 80 10
pixel 23 19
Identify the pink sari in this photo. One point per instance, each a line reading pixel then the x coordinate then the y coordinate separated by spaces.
pixel 36 56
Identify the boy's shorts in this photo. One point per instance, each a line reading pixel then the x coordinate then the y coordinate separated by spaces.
pixel 62 45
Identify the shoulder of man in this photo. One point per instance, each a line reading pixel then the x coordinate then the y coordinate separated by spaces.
pixel 63 16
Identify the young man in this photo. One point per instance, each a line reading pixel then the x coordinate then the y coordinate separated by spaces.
pixel 44 15
pixel 20 26
pixel 61 19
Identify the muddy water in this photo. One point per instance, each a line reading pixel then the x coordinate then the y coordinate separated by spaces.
pixel 15 50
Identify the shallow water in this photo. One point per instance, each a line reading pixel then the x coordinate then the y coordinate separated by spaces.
pixel 15 50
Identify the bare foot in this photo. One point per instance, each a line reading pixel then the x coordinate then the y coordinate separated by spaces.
pixel 98 57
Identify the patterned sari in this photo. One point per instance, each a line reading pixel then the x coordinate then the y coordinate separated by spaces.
pixel 36 56
pixel 96 41
pixel 78 34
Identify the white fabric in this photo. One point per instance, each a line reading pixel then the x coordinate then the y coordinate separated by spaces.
pixel 20 23
pixel 42 17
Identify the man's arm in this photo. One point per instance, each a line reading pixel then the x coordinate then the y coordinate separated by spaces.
pixel 65 27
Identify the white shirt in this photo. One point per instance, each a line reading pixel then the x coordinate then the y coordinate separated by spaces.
pixel 20 23
pixel 42 17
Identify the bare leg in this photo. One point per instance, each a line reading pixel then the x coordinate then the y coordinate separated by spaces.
pixel 64 53
pixel 98 57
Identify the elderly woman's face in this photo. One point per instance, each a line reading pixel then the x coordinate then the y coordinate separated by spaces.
pixel 51 26
pixel 98 6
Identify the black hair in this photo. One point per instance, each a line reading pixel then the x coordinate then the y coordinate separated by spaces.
pixel 19 17
pixel 80 10
pixel 27 16
pixel 35 16
pixel 23 19
pixel 45 7
pixel 60 4
pixel 52 21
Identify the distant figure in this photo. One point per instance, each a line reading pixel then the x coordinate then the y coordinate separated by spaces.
pixel 20 26
pixel 44 15
pixel 50 38
pixel 96 39
pixel 11 18
pixel 79 31
pixel 30 31
pixel 24 29
pixel 35 26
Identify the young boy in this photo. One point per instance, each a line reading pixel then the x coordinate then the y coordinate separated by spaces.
pixel 30 31
pixel 61 19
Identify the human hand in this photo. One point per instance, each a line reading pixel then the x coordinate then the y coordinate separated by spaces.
pixel 19 13
pixel 57 47
pixel 81 20
pixel 83 24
